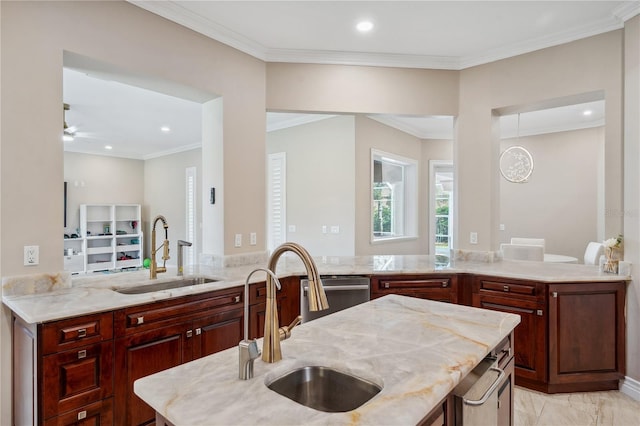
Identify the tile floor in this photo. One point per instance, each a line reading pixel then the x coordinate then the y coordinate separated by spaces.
pixel 611 408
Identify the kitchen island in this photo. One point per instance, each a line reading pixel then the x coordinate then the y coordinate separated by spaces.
pixel 417 350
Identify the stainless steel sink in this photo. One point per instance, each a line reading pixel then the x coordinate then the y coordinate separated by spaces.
pixel 166 285
pixel 325 389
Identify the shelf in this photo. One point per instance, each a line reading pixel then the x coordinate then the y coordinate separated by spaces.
pixel 99 250
pixel 102 251
pixel 128 247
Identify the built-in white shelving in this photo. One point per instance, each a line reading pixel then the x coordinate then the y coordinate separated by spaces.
pixel 111 236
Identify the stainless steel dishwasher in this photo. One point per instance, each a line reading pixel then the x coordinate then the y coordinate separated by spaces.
pixel 476 397
pixel 342 292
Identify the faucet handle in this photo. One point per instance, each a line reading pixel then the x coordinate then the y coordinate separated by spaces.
pixel 165 253
pixel 285 331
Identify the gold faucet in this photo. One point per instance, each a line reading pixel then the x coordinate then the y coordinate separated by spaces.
pixel 154 269
pixel 271 351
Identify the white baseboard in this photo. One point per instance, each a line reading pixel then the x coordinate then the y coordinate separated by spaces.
pixel 631 387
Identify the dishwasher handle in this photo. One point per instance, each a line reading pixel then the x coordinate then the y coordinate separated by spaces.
pixel 341 287
pixel 489 391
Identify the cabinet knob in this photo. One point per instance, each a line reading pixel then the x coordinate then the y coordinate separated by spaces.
pixel 82 354
pixel 198 331
pixel 140 320
pixel 82 415
pixel 386 285
pixel 554 294
pixel 82 332
pixel 505 288
pixel 237 299
pixel 189 333
pixel 539 312
pixel 444 284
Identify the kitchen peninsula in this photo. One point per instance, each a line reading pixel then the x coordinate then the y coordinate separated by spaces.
pixel 86 314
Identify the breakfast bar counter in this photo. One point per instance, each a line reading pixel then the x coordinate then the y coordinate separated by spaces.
pixel 417 350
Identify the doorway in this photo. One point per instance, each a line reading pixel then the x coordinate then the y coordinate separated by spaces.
pixel 441 210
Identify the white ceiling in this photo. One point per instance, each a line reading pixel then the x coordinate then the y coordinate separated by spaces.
pixel 425 34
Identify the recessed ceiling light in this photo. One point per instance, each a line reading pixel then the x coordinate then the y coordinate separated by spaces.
pixel 587 112
pixel 108 147
pixel 165 129
pixel 364 26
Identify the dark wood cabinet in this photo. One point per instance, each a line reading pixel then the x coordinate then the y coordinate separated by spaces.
pixel 571 336
pixel 96 414
pixel 288 301
pixel 586 336
pixel 526 299
pixel 161 335
pixel 441 288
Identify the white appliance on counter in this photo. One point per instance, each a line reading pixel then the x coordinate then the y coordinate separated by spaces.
pixel 342 292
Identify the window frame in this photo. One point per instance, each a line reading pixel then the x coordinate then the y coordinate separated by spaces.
pixel 409 203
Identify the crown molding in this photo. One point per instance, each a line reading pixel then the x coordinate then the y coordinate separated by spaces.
pixel 173 11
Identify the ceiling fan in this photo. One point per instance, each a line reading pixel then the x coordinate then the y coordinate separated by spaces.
pixel 69 133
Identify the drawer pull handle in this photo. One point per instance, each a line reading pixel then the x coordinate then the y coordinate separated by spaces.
pixel 140 320
pixel 505 288
pixel 444 284
pixel 237 299
pixel 82 332
pixel 82 354
pixel 82 415
pixel 386 285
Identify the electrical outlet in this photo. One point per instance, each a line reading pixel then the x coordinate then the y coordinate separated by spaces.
pixel 31 255
pixel 324 229
pixel 473 238
pixel 502 227
pixel 238 242
pixel 335 229
pixel 254 239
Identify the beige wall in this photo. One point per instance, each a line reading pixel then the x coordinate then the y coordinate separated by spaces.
pixel 165 194
pixel 320 183
pixel 98 179
pixel 34 36
pixel 631 212
pixel 583 66
pixel 559 202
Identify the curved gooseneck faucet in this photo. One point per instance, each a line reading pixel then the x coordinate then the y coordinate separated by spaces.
pixel 154 269
pixel 271 351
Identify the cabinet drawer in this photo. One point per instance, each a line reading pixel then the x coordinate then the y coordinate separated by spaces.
pixel 258 291
pixel 75 332
pixel 76 378
pixel 522 289
pixel 151 316
pixel 394 284
pixel 97 414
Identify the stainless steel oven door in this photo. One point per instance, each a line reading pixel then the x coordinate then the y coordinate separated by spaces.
pixel 342 293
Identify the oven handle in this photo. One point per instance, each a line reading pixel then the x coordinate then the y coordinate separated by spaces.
pixel 342 287
pixel 489 391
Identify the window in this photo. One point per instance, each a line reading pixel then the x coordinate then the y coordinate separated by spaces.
pixel 190 234
pixel 394 196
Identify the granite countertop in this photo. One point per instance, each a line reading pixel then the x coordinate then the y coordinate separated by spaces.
pixel 417 349
pixel 47 297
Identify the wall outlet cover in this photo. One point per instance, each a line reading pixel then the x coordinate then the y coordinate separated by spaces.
pixel 31 255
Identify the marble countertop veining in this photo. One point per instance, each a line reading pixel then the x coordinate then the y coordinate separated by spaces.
pixel 417 349
pixel 46 297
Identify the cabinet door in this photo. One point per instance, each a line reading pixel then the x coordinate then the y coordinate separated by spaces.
pixel 217 332
pixel 97 414
pixel 143 354
pixel 76 377
pixel 586 332
pixel 529 336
